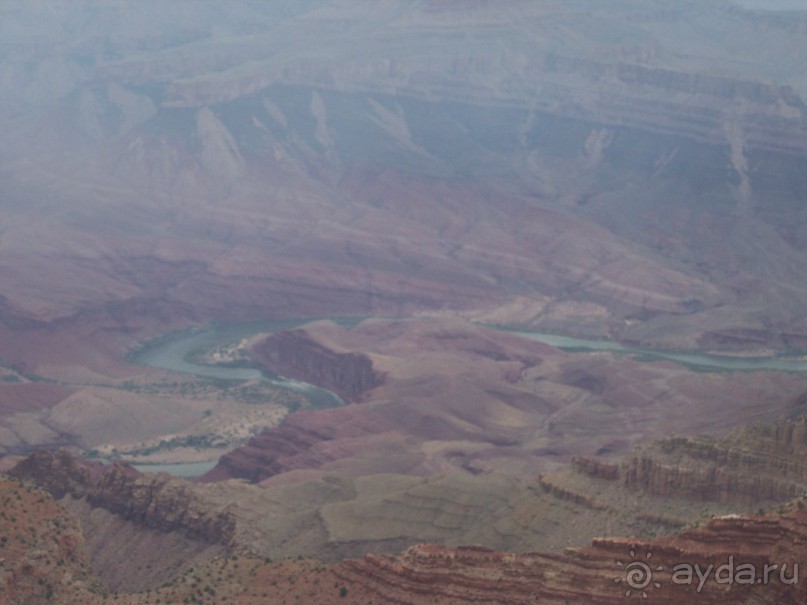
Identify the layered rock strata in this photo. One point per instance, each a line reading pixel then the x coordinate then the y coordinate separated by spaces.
pixel 156 501
pixel 731 553
pixel 296 355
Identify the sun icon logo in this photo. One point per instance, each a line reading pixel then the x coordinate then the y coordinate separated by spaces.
pixel 638 575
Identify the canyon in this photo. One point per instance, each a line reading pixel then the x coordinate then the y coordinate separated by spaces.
pixel 495 402
pixel 204 534
pixel 432 177
pixel 407 202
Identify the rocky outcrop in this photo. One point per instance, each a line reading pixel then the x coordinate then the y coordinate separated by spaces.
pixel 266 454
pixel 162 502
pixel 708 482
pixel 305 440
pixel 60 473
pixel 562 493
pixel 598 469
pixel 297 354
pixel 761 463
pixel 753 464
pixel 605 572
pixel 156 501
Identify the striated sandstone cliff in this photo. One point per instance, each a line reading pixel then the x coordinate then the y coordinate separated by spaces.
pixel 756 464
pixel 724 551
pixel 598 574
pixel 753 464
pixel 596 498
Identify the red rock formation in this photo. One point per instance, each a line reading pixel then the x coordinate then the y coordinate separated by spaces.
pixel 305 440
pixel 600 574
pixel 61 473
pixel 297 355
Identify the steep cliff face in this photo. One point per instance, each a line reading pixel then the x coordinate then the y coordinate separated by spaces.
pixel 753 464
pixel 652 99
pixel 761 463
pixel 297 354
pixel 154 501
pixel 58 473
pixel 161 502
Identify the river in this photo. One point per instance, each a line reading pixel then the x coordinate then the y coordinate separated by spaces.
pixel 695 360
pixel 175 352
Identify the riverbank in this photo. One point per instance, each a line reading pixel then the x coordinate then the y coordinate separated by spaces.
pixel 216 352
pixel 214 355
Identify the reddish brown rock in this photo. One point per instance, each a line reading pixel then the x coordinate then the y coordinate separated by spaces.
pixel 42 550
pixel 598 469
pixel 599 574
pixel 296 355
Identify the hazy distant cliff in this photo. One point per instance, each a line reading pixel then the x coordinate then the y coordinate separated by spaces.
pixel 612 156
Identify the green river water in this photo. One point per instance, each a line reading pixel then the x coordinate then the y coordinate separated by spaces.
pixel 174 352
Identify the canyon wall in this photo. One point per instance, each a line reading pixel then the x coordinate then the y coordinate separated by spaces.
pixel 416 167
pixel 154 501
pixel 756 464
pixel 297 355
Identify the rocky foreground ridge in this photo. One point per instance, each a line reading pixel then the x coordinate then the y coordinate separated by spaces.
pixel 156 501
pixel 726 468
pixel 756 467
pixel 601 573
pixel 731 554
pixel 42 555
